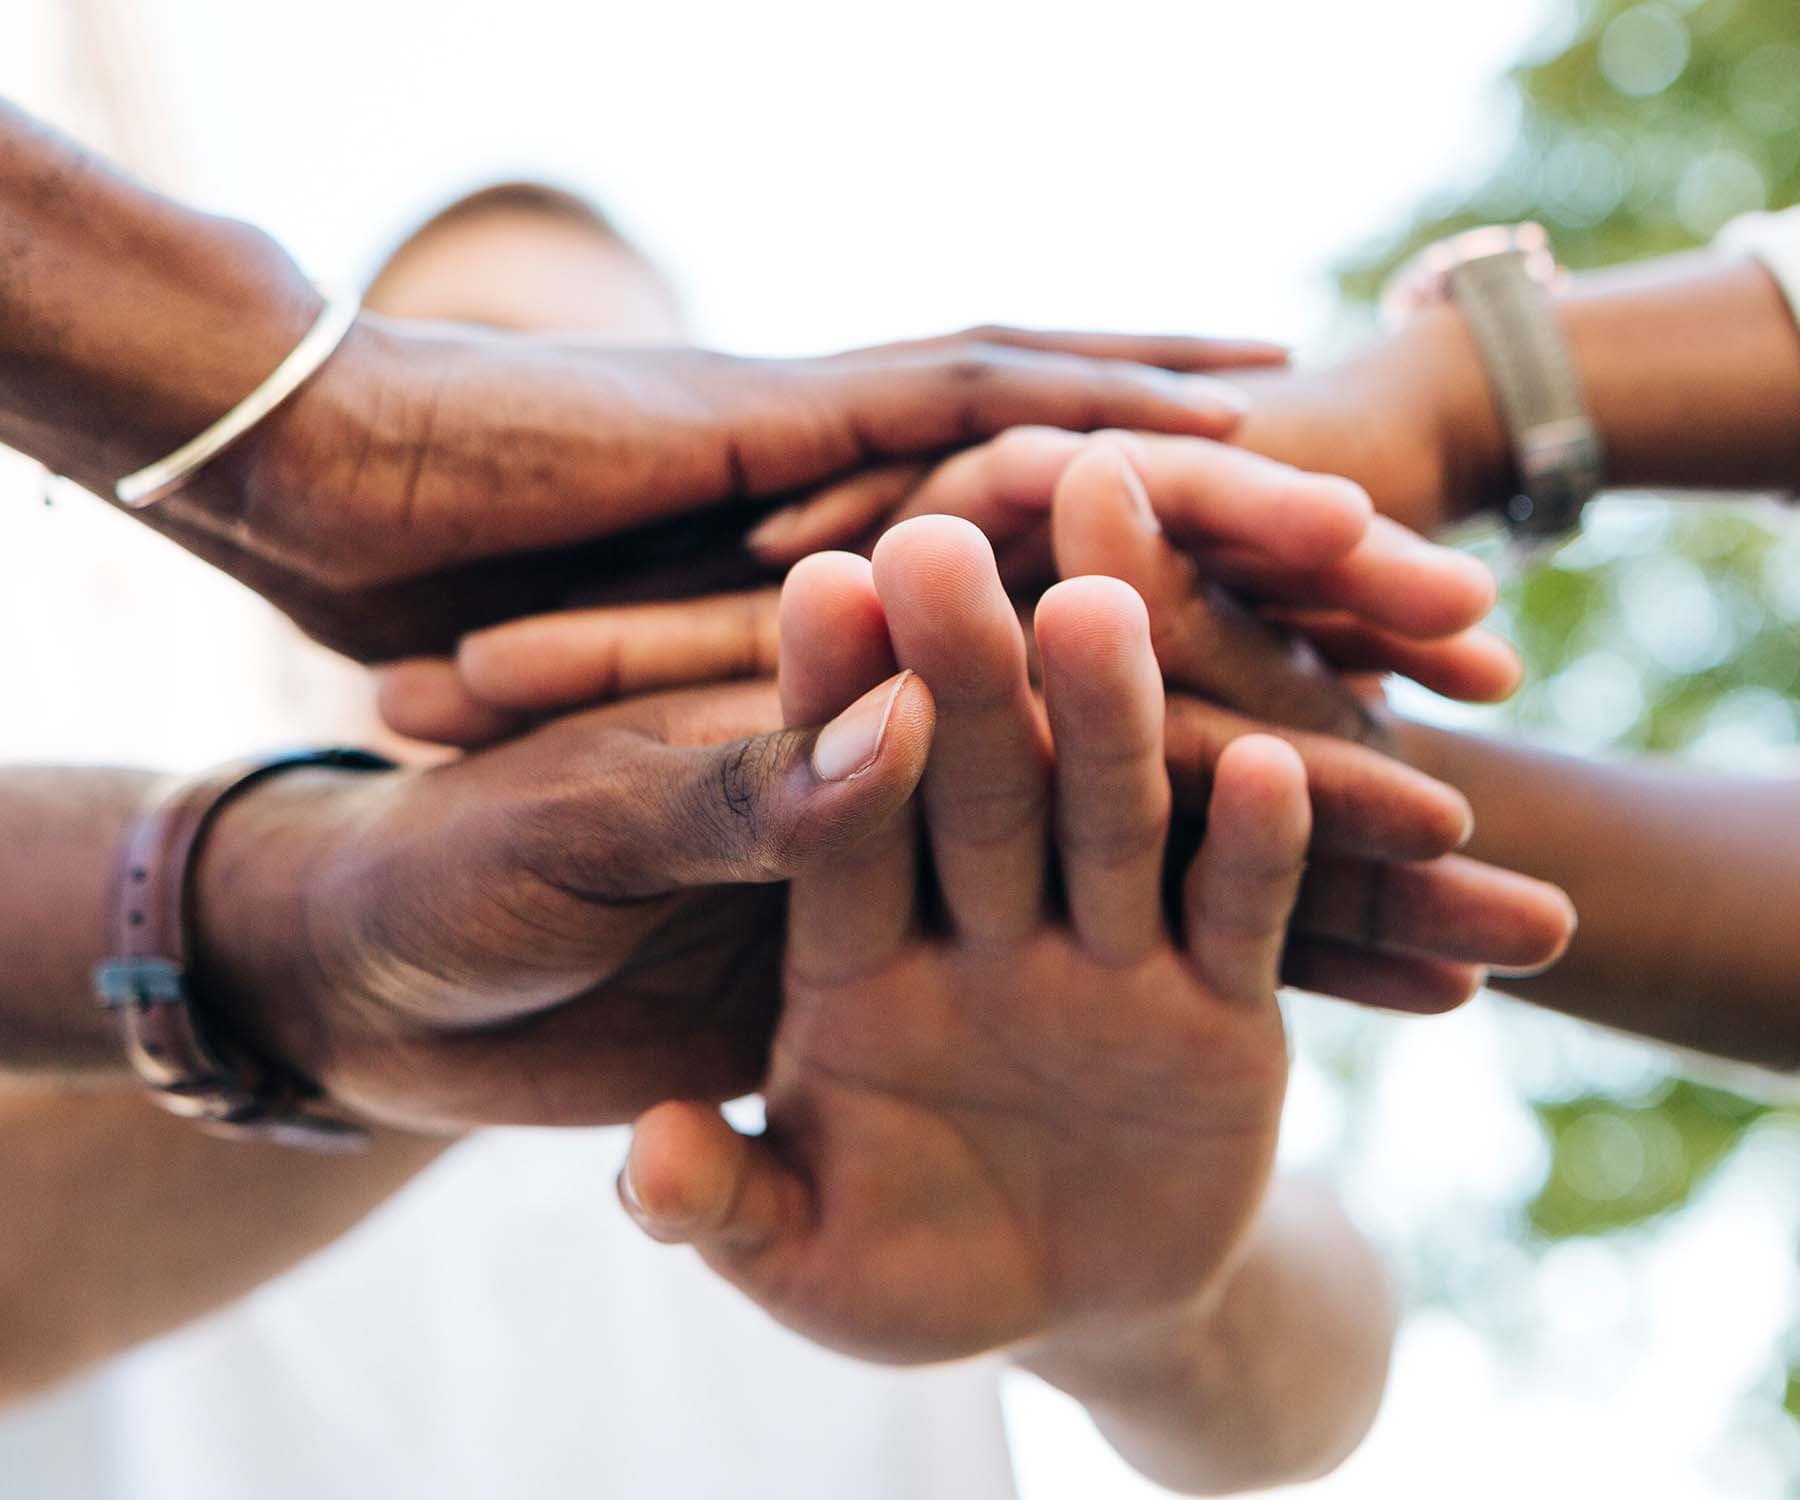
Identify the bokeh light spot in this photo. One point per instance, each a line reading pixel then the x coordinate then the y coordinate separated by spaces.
pixel 1644 50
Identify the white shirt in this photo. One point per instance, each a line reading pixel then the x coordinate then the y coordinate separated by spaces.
pixel 500 1329
pixel 1774 239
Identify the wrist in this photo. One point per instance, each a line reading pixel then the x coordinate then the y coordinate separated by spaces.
pixel 1450 385
pixel 1126 1362
pixel 265 884
pixel 1271 1375
pixel 1409 418
pixel 130 323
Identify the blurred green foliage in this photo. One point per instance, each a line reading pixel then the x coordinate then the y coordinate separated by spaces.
pixel 1671 627
pixel 1643 135
pixel 1619 1161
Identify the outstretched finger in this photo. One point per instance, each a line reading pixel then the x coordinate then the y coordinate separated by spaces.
pixel 1387 981
pixel 1207 496
pixel 850 915
pixel 1394 579
pixel 426 699
pixel 1454 908
pixel 1105 700
pixel 839 515
pixel 1165 351
pixel 1475 666
pixel 1364 803
pixel 583 656
pixel 1103 521
pixel 986 792
pixel 1239 892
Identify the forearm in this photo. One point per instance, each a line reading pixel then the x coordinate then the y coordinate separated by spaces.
pixel 1273 1379
pixel 127 322
pixel 1684 884
pixel 1691 367
pixel 60 832
pixel 126 1223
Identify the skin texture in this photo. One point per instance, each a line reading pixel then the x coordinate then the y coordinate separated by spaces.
pixel 1391 922
pixel 1411 417
pixel 1704 963
pixel 1390 917
pixel 1692 369
pixel 430 480
pixel 1285 1354
pixel 188 1222
pixel 556 932
pixel 467 1005
pixel 1302 1307
pixel 131 1222
pixel 1373 596
pixel 991 1113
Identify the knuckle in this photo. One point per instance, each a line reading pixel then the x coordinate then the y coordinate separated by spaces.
pixel 972 366
pixel 990 817
pixel 1015 444
pixel 738 812
pixel 985 333
pixel 1116 845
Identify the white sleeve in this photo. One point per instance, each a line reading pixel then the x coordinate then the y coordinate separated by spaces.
pixel 1774 239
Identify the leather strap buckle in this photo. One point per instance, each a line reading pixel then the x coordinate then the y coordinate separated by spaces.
pixel 147 985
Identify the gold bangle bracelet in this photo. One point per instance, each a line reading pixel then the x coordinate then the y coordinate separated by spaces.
pixel 159 480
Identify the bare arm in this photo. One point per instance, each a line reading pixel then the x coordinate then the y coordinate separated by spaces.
pixel 379 506
pixel 1274 1379
pixel 127 1223
pixel 526 901
pixel 59 832
pixel 1684 882
pixel 1691 366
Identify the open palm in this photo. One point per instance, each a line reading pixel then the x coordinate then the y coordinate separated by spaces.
pixel 1003 1095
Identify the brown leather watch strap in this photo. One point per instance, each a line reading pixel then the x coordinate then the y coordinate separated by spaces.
pixel 189 1070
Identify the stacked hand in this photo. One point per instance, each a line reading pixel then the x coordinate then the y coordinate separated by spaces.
pixel 1016 1026
pixel 991 1113
pixel 588 886
pixel 431 480
pixel 1391 916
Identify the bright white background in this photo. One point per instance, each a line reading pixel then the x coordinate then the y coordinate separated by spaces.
pixel 822 174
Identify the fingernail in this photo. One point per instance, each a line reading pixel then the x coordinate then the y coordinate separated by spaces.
pixel 660 1231
pixel 1140 497
pixel 772 531
pixel 628 1198
pixel 850 743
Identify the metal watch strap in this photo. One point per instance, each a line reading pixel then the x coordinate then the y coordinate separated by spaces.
pixel 1558 453
pixel 146 984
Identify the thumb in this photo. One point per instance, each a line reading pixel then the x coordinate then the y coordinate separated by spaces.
pixel 691 1179
pixel 775 805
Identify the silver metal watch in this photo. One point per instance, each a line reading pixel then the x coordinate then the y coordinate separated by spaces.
pixel 1502 277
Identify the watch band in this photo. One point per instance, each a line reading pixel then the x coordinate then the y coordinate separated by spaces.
pixel 147 984
pixel 1501 288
